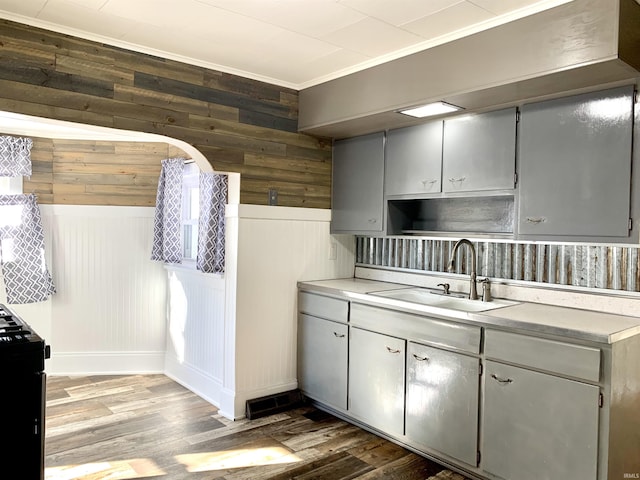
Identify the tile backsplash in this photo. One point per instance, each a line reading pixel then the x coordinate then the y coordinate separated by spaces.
pixel 594 266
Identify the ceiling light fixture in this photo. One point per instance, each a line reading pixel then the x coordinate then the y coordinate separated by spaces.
pixel 436 108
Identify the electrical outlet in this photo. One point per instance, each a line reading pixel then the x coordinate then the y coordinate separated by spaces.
pixel 333 251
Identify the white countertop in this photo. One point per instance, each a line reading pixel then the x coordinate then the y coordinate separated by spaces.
pixel 353 285
pixel 535 317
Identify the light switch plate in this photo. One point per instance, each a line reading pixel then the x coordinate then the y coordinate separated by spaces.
pixel 273 196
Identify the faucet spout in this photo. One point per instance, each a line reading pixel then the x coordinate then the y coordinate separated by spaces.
pixel 473 290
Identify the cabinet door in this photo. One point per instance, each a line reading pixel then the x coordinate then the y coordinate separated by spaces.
pixel 442 401
pixel 376 380
pixel 357 187
pixel 575 165
pixel 479 152
pixel 413 160
pixel 322 360
pixel 538 426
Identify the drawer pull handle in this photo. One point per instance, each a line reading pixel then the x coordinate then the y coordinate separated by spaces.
pixel 429 183
pixel 536 220
pixel 338 335
pixel 501 380
pixel 420 359
pixel 392 350
pixel 457 180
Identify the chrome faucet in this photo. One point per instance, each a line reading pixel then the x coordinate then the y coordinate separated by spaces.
pixel 473 291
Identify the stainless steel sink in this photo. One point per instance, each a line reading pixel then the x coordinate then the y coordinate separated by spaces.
pixel 425 296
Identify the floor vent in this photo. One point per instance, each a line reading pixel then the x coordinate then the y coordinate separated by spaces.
pixel 279 402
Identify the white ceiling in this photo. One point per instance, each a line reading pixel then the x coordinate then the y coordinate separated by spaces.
pixel 293 43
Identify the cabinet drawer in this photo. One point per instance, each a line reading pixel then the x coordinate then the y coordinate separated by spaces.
pixel 323 307
pixel 564 358
pixel 418 328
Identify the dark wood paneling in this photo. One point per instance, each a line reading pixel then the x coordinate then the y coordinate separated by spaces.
pixel 84 172
pixel 240 125
pixel 268 121
pixel 34 75
pixel 211 95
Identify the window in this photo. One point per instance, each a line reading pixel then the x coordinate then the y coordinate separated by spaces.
pixel 10 185
pixel 190 211
pixel 189 225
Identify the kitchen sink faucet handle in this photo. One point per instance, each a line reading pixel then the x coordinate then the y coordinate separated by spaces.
pixel 486 290
pixel 445 286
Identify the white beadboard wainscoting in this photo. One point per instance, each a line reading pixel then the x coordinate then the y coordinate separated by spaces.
pixel 108 315
pixel 195 347
pixel 229 338
pixel 274 248
pixel 232 337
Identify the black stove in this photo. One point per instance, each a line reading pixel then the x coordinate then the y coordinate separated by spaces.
pixel 22 395
pixel 12 329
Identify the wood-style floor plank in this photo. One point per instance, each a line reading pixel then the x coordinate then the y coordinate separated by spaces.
pixel 148 426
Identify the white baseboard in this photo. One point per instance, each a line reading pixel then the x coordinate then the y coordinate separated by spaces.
pixel 105 363
pixel 199 382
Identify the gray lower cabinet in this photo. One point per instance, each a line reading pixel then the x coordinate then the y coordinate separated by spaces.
pixel 537 426
pixel 322 361
pixel 323 348
pixel 479 152
pixel 541 416
pixel 442 402
pixel 376 380
pixel 575 166
pixel 542 407
pixel 413 160
pixel 357 185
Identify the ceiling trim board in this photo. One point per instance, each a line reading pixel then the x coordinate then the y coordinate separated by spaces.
pixel 418 47
pixel 140 49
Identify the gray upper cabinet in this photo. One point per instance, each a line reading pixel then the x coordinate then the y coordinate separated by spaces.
pixel 575 166
pixel 414 159
pixel 479 152
pixel 357 186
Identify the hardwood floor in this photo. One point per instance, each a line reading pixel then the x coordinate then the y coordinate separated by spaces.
pixel 148 426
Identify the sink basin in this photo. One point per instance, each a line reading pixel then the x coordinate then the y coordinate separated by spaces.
pixel 425 296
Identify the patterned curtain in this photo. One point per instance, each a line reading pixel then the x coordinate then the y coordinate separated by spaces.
pixel 25 273
pixel 167 238
pixel 15 156
pixel 213 198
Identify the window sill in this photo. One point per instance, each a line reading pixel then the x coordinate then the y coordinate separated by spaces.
pixel 189 267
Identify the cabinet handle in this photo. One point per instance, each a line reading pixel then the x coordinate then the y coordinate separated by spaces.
pixel 501 380
pixel 338 335
pixel 431 183
pixel 536 220
pixel 457 180
pixel 420 359
pixel 392 350
pixel 373 220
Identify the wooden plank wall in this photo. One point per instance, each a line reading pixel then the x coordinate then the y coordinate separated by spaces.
pixel 85 172
pixel 240 125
